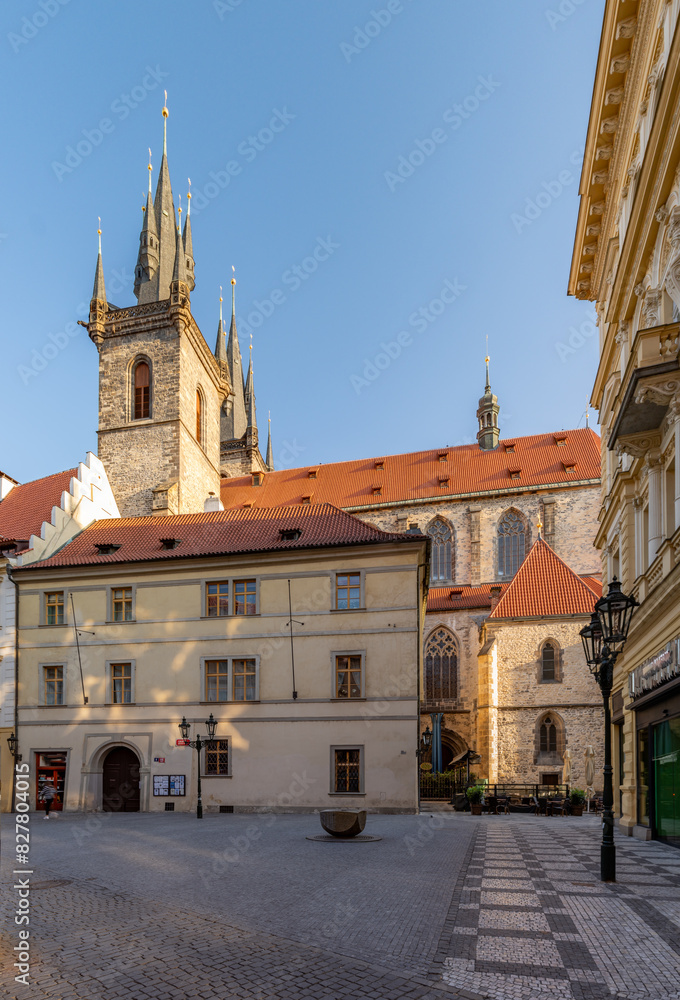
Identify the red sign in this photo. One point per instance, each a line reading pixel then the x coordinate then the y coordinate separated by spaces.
pixel 159 760
pixel 181 743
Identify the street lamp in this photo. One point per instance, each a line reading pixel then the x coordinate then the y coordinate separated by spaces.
pixel 198 745
pixel 608 627
pixel 13 744
pixel 425 742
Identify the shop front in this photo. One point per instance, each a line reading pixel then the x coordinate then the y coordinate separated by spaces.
pixel 655 694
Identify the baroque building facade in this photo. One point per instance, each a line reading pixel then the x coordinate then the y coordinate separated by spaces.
pixel 627 262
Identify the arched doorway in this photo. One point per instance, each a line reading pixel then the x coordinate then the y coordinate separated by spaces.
pixel 120 784
pixel 452 746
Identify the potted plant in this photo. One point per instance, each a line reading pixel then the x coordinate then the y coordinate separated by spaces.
pixel 475 794
pixel 577 799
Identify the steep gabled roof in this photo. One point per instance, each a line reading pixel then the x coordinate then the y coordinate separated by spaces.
pixel 464 470
pixel 27 505
pixel 227 532
pixel 544 587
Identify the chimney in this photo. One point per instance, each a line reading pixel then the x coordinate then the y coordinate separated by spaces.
pixel 212 503
pixel 495 591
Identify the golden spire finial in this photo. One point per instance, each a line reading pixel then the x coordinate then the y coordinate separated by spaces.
pixel 149 168
pixel 189 198
pixel 220 303
pixel 539 525
pixel 233 291
pixel 99 232
pixel 179 199
pixel 165 114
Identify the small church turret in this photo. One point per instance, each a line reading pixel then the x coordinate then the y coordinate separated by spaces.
pixel 487 415
pixel 188 245
pixel 147 258
pixel 251 429
pixel 98 305
pixel 236 421
pixel 270 451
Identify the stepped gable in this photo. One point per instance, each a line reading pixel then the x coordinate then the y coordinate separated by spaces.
pixel 544 587
pixel 227 532
pixel 424 475
pixel 27 505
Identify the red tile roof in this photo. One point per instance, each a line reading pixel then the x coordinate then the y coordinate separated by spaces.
pixel 417 475
pixel 27 505
pixel 454 598
pixel 218 533
pixel 544 586
pixel 594 582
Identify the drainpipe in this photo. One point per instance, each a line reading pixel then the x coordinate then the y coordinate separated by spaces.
pixel 16 676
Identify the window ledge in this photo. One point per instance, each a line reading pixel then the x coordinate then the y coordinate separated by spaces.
pixel 216 776
pixel 352 700
pixel 346 795
pixel 344 611
pixel 219 618
pixel 229 701
pixel 118 704
pixel 60 625
pixel 63 705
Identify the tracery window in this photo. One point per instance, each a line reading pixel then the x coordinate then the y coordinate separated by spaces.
pixel 548 658
pixel 548 736
pixel 441 666
pixel 441 565
pixel 142 391
pixel 511 544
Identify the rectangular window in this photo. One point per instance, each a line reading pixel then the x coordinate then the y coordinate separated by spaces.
pixel 217 680
pixel 217 599
pixel 347 591
pixel 347 775
pixel 348 676
pixel 245 597
pixel 245 680
pixel 54 608
pixel 121 683
pixel 53 681
pixel 217 759
pixel 121 602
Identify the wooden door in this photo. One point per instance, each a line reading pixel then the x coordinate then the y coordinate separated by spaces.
pixel 120 791
pixel 52 767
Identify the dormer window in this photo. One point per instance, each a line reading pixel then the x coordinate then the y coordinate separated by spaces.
pixel 515 473
pixel 569 466
pixel 170 543
pixel 455 594
pixel 307 498
pixel 289 534
pixel 312 473
pixel 106 548
pixel 443 456
pixel 380 464
pixel 444 481
pixel 561 441
pixel 377 491
pixel 258 478
pixel 248 504
pixel 510 447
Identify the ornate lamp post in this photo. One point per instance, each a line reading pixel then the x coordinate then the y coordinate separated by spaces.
pixel 198 745
pixel 13 744
pixel 425 743
pixel 608 628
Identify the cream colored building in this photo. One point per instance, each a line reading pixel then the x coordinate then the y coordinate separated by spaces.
pixel 627 261
pixel 184 616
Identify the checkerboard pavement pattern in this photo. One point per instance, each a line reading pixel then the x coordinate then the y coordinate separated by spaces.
pixel 530 919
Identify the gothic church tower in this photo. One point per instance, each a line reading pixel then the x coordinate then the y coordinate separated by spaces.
pixel 161 389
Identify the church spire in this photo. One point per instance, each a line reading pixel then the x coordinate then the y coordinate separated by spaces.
pixel 147 258
pixel 156 286
pixel 220 351
pixel 99 291
pixel 237 417
pixel 270 452
pixel 179 271
pixel 487 415
pixel 188 245
pixel 250 396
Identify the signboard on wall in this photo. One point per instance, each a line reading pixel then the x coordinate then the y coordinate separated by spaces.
pixel 169 784
pixel 662 667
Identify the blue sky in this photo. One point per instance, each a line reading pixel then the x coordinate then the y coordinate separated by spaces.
pixel 419 195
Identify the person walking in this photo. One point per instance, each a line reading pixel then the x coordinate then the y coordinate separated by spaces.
pixel 48 796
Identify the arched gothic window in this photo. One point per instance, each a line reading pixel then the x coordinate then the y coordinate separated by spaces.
pixel 199 417
pixel 548 658
pixel 441 565
pixel 441 666
pixel 511 544
pixel 548 736
pixel 142 391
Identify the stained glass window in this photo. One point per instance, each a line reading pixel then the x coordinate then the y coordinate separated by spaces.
pixel 511 544
pixel 441 666
pixel 441 567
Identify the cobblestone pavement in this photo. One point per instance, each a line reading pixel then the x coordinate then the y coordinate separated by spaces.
pixel 530 919
pixel 162 907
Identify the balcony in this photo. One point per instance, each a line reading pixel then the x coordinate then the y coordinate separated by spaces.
pixel 649 382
